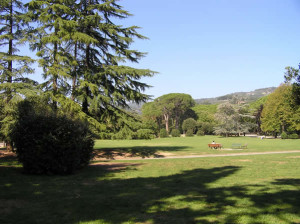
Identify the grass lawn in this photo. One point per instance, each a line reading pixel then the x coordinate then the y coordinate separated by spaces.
pixel 242 189
pixel 193 146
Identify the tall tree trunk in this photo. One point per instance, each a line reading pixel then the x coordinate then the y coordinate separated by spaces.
pixel 54 76
pixel 10 66
pixel 10 52
pixel 166 116
pixel 85 103
pixel 75 75
pixel 9 146
pixel 177 118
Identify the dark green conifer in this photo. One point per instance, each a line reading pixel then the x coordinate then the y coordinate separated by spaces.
pixel 105 82
pixel 14 85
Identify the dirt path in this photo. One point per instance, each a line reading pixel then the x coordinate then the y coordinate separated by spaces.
pixel 221 155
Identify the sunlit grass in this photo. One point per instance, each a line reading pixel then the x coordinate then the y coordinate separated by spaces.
pixel 242 189
pixel 196 145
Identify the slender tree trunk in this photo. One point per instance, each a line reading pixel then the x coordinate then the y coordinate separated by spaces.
pixel 54 76
pixel 166 116
pixel 283 128
pixel 85 103
pixel 177 118
pixel 75 75
pixel 9 146
pixel 10 52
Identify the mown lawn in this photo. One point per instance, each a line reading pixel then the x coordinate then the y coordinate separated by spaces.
pixel 193 146
pixel 243 189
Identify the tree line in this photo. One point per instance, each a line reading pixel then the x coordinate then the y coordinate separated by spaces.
pixel 275 114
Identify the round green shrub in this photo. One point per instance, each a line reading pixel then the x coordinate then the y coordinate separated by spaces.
pixel 284 135
pixel 188 124
pixel 52 144
pixel 293 136
pixel 189 133
pixel 200 133
pixel 144 134
pixel 175 133
pixel 124 133
pixel 163 133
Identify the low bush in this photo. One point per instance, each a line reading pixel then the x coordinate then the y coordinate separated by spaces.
pixel 163 133
pixel 189 133
pixel 124 133
pixel 52 144
pixel 293 136
pixel 284 135
pixel 188 124
pixel 144 134
pixel 200 133
pixel 175 133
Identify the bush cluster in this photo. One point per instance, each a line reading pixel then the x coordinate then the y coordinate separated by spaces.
pixel 144 134
pixel 293 136
pixel 47 143
pixel 163 133
pixel 175 133
pixel 284 135
pixel 200 133
pixel 127 133
pixel 124 133
pixel 189 133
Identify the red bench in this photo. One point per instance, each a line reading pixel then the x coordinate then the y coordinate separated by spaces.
pixel 215 146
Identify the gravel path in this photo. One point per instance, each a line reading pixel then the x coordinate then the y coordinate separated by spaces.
pixel 221 155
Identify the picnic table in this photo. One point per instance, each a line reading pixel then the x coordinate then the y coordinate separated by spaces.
pixel 215 146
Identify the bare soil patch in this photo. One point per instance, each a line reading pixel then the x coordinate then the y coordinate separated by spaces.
pixel 5 153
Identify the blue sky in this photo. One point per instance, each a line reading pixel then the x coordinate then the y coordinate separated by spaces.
pixel 209 48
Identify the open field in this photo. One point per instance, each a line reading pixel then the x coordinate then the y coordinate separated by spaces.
pixel 191 146
pixel 239 189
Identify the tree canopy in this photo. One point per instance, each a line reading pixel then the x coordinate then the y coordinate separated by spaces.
pixel 174 105
pixel 280 113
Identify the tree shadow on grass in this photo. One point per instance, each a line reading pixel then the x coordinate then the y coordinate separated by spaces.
pixel 135 151
pixel 191 196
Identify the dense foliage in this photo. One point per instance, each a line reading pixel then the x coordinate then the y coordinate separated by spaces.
pixel 280 113
pixel 163 133
pixel 169 109
pixel 233 119
pixel 175 133
pixel 13 67
pixel 189 133
pixel 48 143
pixel 189 124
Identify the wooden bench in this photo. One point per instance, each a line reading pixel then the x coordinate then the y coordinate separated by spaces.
pixel 215 146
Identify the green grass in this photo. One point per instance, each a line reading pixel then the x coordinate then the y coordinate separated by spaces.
pixel 194 145
pixel 242 189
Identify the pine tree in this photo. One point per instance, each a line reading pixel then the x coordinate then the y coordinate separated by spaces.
pixel 105 84
pixel 13 84
pixel 54 29
pixel 83 54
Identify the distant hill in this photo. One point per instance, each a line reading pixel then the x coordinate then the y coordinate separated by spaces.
pixel 238 97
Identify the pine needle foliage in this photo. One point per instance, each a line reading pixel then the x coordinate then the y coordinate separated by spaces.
pixel 83 52
pixel 14 85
